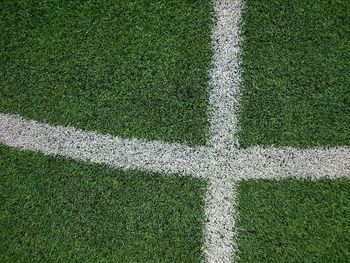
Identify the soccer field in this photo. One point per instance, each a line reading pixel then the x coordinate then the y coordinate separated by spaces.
pixel 175 131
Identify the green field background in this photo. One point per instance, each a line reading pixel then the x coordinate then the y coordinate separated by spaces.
pixel 295 73
pixel 132 68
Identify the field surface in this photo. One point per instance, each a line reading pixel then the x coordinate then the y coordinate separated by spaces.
pixel 294 221
pixel 130 68
pixel 296 56
pixel 175 131
pixel 58 210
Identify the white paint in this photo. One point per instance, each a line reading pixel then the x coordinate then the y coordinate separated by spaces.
pixel 156 156
pixel 220 235
pixel 102 149
pixel 280 163
pixel 225 75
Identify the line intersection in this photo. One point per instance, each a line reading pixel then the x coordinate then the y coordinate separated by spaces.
pixel 222 163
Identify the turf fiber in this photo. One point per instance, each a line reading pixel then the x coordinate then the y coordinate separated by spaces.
pixel 56 210
pixel 132 68
pixel 295 64
pixel 294 221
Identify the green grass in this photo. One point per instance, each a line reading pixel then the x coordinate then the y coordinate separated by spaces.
pixel 133 68
pixel 296 64
pixel 294 221
pixel 57 210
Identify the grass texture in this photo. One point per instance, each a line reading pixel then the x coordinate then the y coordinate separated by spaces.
pixel 296 64
pixel 294 221
pixel 132 68
pixel 56 210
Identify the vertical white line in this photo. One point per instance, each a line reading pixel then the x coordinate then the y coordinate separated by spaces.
pixel 225 75
pixel 220 234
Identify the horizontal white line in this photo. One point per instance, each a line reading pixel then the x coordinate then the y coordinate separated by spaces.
pixel 156 156
pixel 274 163
pixel 101 149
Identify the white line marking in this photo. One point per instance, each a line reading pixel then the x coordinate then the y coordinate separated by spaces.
pixel 156 156
pixel 102 149
pixel 225 75
pixel 224 98
pixel 220 235
pixel 275 163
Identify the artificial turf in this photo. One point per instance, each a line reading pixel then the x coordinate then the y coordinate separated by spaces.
pixel 295 73
pixel 294 221
pixel 132 68
pixel 57 210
